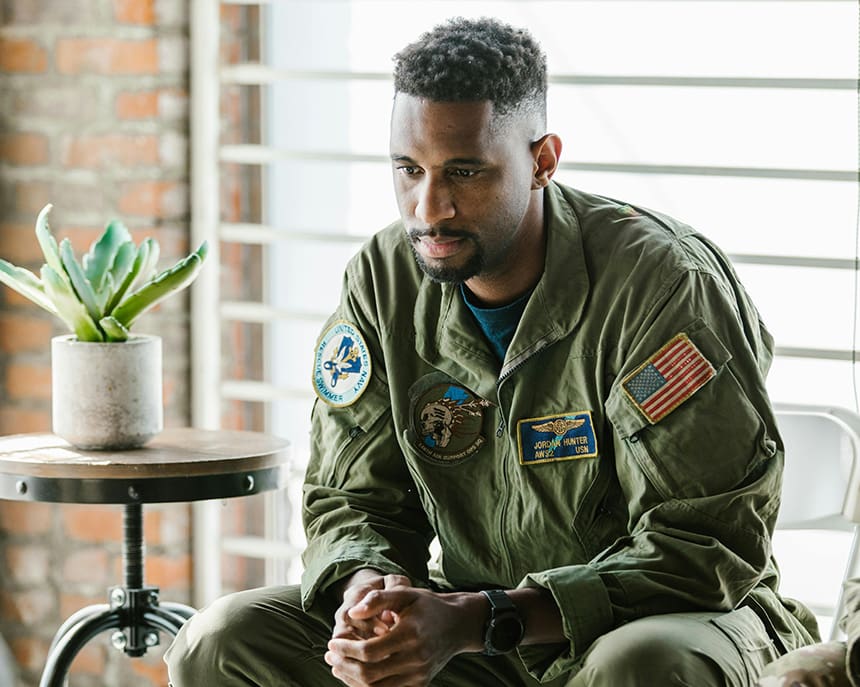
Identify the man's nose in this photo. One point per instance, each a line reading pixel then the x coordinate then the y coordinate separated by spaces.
pixel 434 202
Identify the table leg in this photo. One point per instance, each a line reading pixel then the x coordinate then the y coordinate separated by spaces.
pixel 134 611
pixel 74 619
pixel 72 639
pixel 179 609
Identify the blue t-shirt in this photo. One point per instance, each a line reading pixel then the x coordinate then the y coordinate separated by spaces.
pixel 498 324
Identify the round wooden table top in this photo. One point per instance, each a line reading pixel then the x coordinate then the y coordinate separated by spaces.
pixel 182 464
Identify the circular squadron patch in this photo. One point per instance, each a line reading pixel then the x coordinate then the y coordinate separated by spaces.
pixel 341 366
pixel 447 420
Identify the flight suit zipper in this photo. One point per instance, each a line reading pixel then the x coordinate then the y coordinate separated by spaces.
pixel 505 374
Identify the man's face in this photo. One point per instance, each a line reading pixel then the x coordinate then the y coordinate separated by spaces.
pixel 463 185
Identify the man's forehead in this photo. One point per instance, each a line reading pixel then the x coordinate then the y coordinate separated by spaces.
pixel 418 122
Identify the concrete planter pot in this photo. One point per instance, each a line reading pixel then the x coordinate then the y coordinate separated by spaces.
pixel 106 395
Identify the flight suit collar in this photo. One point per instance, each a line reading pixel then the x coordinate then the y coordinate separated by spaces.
pixel 448 337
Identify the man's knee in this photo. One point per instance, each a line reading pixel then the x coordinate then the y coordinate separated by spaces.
pixel 239 634
pixel 639 655
pixel 679 649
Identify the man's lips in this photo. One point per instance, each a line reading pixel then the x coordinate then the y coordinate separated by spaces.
pixel 438 247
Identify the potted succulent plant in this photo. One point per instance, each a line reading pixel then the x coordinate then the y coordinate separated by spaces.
pixel 106 382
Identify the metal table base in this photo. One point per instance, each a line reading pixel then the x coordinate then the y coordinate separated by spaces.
pixel 133 611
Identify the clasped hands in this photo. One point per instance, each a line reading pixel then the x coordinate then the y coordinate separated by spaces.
pixel 388 633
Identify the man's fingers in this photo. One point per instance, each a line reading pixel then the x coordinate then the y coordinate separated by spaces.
pixel 376 602
pixel 396 581
pixel 399 670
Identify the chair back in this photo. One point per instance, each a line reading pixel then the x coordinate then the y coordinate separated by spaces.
pixel 821 480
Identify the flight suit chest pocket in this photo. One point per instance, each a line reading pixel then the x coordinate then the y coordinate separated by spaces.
pixel 446 423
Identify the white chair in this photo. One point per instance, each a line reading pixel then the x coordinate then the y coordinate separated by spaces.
pixel 821 491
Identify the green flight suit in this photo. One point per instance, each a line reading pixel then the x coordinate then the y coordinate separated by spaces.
pixel 556 468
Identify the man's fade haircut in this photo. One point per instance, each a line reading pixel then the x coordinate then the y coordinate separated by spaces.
pixel 474 60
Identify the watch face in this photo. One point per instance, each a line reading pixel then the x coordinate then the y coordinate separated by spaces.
pixel 506 632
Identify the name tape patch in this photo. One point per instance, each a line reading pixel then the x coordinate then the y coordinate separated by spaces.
pixel 556 437
pixel 668 378
pixel 341 365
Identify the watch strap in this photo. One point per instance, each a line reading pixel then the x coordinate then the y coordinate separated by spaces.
pixel 499 600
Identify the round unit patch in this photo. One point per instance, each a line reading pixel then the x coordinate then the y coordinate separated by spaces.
pixel 341 366
pixel 447 420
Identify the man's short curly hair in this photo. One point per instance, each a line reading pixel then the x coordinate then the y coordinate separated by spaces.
pixel 472 60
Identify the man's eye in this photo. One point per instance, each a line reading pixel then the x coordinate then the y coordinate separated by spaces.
pixel 408 170
pixel 464 173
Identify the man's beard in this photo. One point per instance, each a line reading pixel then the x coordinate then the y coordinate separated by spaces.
pixel 452 275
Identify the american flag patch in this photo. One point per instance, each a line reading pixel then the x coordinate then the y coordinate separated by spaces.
pixel 668 378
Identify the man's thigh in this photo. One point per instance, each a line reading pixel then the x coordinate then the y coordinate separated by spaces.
pixel 256 637
pixel 682 649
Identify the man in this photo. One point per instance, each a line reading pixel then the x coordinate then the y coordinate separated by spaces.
pixel 566 391
pixel 829 664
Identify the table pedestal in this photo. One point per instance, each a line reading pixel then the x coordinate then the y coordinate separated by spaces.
pixel 133 611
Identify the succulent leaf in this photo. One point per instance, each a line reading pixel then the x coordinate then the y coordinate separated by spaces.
pixel 113 329
pixel 139 257
pixel 147 268
pixel 27 284
pixel 101 255
pixel 123 261
pixel 69 308
pixel 47 242
pixel 79 281
pixel 170 280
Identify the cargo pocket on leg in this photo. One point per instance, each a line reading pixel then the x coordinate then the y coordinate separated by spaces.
pixel 747 632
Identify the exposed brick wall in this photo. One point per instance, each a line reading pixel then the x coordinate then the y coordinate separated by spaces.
pixel 94 119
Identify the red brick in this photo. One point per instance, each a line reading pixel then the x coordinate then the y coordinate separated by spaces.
pixel 167 524
pixel 110 149
pixel 91 660
pixel 24 420
pixel 24 517
pixel 141 12
pixel 154 199
pixel 169 572
pixel 28 381
pixel 31 197
pixel 20 333
pixel 96 524
pixel 24 149
pixel 29 652
pixel 22 55
pixel 106 56
pixel 86 565
pixel 152 666
pixel 29 607
pixel 137 105
pixel 18 244
pixel 72 603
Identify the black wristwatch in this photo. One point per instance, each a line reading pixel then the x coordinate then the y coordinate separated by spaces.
pixel 504 629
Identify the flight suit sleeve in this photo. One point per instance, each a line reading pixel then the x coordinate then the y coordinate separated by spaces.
pixel 700 483
pixel 360 505
pixel 850 624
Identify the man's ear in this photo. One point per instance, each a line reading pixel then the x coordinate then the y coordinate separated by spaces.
pixel 546 152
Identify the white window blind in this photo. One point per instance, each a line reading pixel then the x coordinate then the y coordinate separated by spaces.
pixel 737 117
